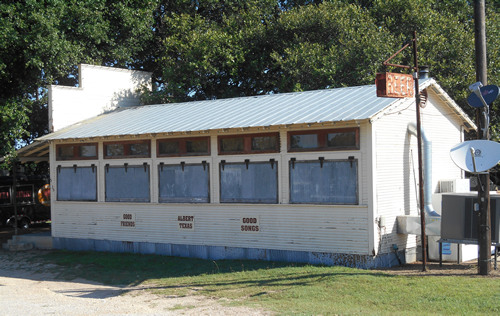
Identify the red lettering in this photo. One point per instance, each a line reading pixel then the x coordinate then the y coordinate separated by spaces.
pixel 23 194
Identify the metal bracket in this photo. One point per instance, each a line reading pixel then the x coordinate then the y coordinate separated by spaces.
pixel 386 63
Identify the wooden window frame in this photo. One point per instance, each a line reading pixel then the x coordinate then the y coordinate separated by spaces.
pixel 182 146
pixel 247 144
pixel 126 149
pixel 323 139
pixel 76 151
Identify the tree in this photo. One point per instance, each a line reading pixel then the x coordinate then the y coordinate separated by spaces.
pixel 41 43
pixel 217 49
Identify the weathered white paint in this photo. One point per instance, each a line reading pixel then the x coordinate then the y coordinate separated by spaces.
pixel 387 176
pixel 100 89
pixel 397 163
pixel 335 229
pixel 325 228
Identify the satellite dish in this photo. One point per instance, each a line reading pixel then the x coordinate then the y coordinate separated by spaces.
pixel 489 93
pixel 476 155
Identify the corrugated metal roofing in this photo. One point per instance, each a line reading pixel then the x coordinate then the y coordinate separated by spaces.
pixel 340 104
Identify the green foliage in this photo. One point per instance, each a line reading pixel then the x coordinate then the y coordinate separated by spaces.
pixel 328 45
pixel 13 118
pixel 41 42
pixel 217 49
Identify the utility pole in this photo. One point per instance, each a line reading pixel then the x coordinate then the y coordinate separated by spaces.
pixel 383 93
pixel 484 234
pixel 419 146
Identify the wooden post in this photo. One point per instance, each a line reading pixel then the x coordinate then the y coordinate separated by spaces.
pixel 484 234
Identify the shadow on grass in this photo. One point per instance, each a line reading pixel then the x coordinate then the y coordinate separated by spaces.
pixel 133 269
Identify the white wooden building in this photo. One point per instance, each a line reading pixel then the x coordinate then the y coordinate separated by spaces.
pixel 317 176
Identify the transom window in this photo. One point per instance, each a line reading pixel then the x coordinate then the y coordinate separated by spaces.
pixel 249 144
pixel 194 146
pixel 321 140
pixel 76 151
pixel 134 149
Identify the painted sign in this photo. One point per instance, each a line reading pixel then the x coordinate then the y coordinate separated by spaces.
pixel 394 85
pixel 250 224
pixel 185 222
pixel 127 220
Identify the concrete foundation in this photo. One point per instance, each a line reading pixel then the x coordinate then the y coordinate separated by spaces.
pixel 224 253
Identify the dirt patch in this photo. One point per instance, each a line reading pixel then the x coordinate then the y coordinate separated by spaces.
pixel 29 287
pixel 22 274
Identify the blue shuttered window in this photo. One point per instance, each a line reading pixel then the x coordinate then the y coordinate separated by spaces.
pixel 76 184
pixel 324 182
pixel 184 183
pixel 252 182
pixel 127 183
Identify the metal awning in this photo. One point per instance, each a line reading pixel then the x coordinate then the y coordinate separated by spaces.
pixel 35 152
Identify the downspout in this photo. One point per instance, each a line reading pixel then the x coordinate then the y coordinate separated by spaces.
pixel 427 150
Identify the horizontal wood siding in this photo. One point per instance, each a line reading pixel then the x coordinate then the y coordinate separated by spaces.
pixel 285 227
pixel 282 226
pixel 397 163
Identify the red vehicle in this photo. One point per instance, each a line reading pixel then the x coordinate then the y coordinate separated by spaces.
pixel 32 199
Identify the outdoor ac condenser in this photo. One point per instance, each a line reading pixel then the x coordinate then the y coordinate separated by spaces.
pixel 460 221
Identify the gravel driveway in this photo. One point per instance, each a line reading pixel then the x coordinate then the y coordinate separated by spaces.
pixel 27 289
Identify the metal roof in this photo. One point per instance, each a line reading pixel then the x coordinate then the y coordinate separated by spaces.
pixel 330 105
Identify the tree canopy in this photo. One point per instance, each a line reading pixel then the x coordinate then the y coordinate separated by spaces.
pixel 217 49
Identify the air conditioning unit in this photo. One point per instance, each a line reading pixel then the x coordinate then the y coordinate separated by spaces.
pixel 454 186
pixel 459 220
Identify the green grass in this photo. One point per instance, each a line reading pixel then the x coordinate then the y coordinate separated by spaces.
pixel 290 289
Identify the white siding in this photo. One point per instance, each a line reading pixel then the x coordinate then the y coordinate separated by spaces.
pixel 322 228
pixel 287 227
pixel 397 163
